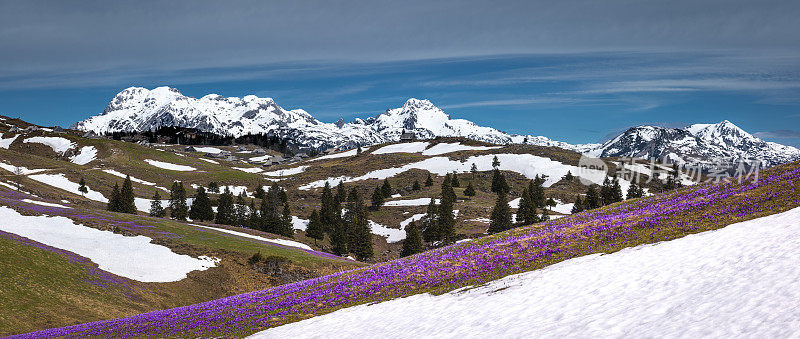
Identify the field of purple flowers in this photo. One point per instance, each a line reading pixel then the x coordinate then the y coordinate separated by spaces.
pixel 657 218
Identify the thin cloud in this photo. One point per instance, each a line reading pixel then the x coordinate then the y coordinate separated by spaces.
pixel 778 134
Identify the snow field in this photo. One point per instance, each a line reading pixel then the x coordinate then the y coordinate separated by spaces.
pixel 169 166
pixel 6 143
pixel 739 281
pixel 406 147
pixel 410 202
pixel 286 172
pixel 284 242
pixel 58 144
pixel 86 155
pixel 348 153
pixel 60 181
pixel 130 257
pixel 443 148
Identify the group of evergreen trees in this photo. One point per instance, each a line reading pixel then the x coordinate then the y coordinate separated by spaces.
pixel 273 217
pixel 348 229
pixel 380 194
pixel 439 221
pixel 122 200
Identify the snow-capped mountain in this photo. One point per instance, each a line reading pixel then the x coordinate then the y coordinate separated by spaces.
pixel 140 109
pixel 697 144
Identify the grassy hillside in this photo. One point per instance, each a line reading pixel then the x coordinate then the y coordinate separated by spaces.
pixel 647 220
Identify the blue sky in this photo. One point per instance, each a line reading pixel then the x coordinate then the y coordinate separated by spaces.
pixel 573 71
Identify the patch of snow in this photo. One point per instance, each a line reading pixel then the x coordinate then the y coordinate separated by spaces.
pixel 405 147
pixel 247 235
pixel 392 234
pixel 87 154
pixel 443 148
pixel 43 203
pixel 348 153
pixel 410 202
pixel 23 170
pixel 6 143
pixel 738 281
pixel 210 150
pixel 58 144
pixel 395 196
pixel 169 166
pixel 413 218
pixel 563 208
pixel 514 203
pixel 209 160
pixel 299 224
pixel 286 172
pixel 130 257
pixel 60 181
pixel 249 169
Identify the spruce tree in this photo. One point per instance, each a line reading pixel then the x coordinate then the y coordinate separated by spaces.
pixel 616 190
pixel 226 214
pixel 499 183
pixel 82 187
pixel 470 190
pixel 430 230
pixel 213 187
pixel 126 197
pixel 242 212
pixel 577 207
pixel 156 210
pixel 501 215
pixel 285 226
pixel 359 233
pixel 253 217
pixel 413 242
pixel 429 181
pixel 315 230
pixel 330 213
pixel 113 202
pixel 526 213
pixel 177 202
pixel 353 195
pixel 536 189
pixel 271 214
pixel 474 170
pixel 341 193
pixel 386 189
pixel 445 218
pixel 592 201
pixel 338 236
pixel 201 206
pixel 495 162
pixel 551 203
pixel 259 192
pixel 569 176
pixel 416 186
pixel 454 180
pixel 377 198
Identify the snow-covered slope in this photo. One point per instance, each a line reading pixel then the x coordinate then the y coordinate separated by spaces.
pixel 739 281
pixel 698 143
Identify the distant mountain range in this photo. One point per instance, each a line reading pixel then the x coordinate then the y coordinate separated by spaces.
pixel 140 109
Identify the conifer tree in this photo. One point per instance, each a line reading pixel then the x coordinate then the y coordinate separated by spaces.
pixel 338 236
pixel 359 233
pixel 213 187
pixel 377 198
pixel 470 190
pixel 82 187
pixel 242 212
pixel 156 210
pixel 495 162
pixel 259 192
pixel 474 170
pixel 226 215
pixel 314 230
pixel 113 202
pixel 577 207
pixel 386 189
pixel 454 180
pixel 341 193
pixel 616 189
pixel 430 230
pixel 569 176
pixel 253 217
pixel 526 213
pixel 551 203
pixel 413 242
pixel 177 202
pixel 592 201
pixel 330 213
pixel 536 189
pixel 416 186
pixel 126 198
pixel 353 195
pixel 429 181
pixel 285 226
pixel 201 206
pixel 445 218
pixel 501 215
pixel 271 216
pixel 606 192
pixel 499 183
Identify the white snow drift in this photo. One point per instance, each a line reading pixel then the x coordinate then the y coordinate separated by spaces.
pixel 247 235
pixel 131 257
pixel 58 144
pixel 739 281
pixel 169 166
pixel 6 143
pixel 86 155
